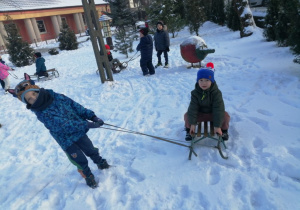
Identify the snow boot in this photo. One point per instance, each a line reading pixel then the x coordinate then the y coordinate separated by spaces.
pixel 103 164
pixel 166 66
pixel 188 136
pixel 158 64
pixel 225 135
pixel 90 181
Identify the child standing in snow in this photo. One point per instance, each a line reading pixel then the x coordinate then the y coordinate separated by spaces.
pixel 146 48
pixel 4 76
pixel 113 62
pixel 68 123
pixel 206 105
pixel 162 44
pixel 41 69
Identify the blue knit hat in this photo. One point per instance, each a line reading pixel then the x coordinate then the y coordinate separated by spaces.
pixel 206 73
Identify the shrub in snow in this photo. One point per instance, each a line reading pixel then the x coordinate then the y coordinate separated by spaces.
pixel 53 51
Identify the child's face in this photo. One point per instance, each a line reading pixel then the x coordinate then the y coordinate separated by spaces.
pixel 31 97
pixel 107 50
pixel 204 83
pixel 159 27
pixel 141 35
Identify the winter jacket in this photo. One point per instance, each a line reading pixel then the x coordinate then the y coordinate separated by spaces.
pixel 162 40
pixel 3 71
pixel 40 65
pixel 206 101
pixel 110 57
pixel 146 47
pixel 65 119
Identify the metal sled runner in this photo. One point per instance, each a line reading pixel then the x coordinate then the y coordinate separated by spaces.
pixel 51 73
pixel 205 134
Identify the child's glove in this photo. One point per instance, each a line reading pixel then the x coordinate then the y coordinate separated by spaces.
pixel 97 120
pixel 168 49
pixel 94 124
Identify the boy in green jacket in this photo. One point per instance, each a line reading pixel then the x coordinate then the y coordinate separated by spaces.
pixel 206 105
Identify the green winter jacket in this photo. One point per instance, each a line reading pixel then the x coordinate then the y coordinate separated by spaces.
pixel 206 101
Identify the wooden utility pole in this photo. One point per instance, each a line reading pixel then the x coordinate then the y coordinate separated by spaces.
pixel 94 26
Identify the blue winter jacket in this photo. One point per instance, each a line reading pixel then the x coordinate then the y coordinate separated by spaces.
pixel 146 47
pixel 65 119
pixel 40 64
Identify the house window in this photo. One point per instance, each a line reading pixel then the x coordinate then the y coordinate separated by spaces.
pixel 41 26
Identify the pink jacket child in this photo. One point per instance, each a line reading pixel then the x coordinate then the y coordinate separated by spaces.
pixel 4 76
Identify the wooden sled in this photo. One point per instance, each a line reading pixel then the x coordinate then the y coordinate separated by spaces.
pixel 51 74
pixel 205 134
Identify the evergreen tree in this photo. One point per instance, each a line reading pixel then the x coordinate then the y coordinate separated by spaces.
pixel 247 23
pixel 232 18
pixel 124 21
pixel 195 15
pixel 217 11
pixel 271 20
pixel 67 38
pixel 20 53
pixel 167 11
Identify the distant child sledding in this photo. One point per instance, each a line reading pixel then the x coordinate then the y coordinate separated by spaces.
pixel 67 121
pixel 41 70
pixel 113 62
pixel 206 105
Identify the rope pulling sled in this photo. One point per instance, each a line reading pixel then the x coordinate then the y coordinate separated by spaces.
pixel 177 142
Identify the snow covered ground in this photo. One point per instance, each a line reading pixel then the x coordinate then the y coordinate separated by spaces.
pixel 261 90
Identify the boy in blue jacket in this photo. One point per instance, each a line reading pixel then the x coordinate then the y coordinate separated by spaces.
pixel 68 123
pixel 146 48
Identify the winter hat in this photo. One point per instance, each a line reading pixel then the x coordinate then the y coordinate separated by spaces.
pixel 160 22
pixel 210 65
pixel 206 73
pixel 144 31
pixel 38 54
pixel 23 87
pixel 107 47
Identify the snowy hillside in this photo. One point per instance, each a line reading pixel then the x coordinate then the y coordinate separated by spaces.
pixel 261 90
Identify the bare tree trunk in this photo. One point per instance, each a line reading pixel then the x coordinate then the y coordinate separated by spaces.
pixel 246 18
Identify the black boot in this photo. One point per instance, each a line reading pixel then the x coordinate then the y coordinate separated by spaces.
pixel 225 135
pixel 90 181
pixel 188 136
pixel 103 164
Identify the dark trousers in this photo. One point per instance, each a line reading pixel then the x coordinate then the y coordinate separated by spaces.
pixel 2 83
pixel 147 67
pixel 159 52
pixel 77 153
pixel 208 117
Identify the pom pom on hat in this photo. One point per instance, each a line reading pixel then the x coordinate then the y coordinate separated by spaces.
pixel 210 65
pixel 144 31
pixel 206 73
pixel 107 47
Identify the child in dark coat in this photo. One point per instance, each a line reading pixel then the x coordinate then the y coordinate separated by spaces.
pixel 68 123
pixel 146 48
pixel 206 105
pixel 41 69
pixel 162 44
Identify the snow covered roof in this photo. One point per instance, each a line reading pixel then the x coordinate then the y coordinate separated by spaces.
pixel 104 17
pixel 17 5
